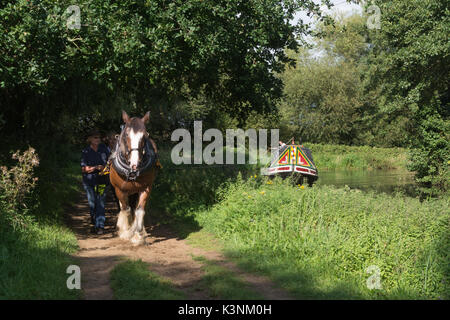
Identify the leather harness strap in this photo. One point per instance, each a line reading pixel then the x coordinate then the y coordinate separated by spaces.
pixel 120 163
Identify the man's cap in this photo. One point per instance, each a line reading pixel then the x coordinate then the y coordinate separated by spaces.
pixel 93 132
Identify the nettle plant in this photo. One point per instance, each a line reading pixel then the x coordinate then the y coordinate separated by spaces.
pixel 16 186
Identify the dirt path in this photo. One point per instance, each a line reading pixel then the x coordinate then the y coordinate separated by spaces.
pixel 167 255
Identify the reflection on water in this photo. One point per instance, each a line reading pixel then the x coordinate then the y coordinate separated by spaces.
pixel 387 181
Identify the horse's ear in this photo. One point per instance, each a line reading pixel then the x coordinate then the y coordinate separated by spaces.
pixel 125 117
pixel 146 117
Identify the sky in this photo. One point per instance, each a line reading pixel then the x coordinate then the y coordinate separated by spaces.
pixel 339 6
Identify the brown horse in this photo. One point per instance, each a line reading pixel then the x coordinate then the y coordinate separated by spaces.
pixel 133 170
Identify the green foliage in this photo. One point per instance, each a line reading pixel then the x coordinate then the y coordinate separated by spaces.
pixel 323 94
pixel 35 250
pixel 223 283
pixel 345 39
pixel 431 161
pixel 409 64
pixel 132 280
pixel 386 87
pixel 317 242
pixel 179 191
pixel 139 55
pixel 351 157
pixel 16 188
pixel 33 263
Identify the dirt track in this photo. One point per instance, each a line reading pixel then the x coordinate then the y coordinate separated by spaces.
pixel 167 255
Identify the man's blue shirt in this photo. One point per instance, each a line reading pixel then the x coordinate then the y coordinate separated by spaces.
pixel 92 158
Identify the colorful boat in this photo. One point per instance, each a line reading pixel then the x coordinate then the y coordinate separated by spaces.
pixel 293 160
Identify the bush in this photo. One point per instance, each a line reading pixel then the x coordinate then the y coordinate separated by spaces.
pixel 16 188
pixel 35 249
pixel 431 159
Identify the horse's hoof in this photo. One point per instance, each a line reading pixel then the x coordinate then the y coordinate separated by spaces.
pixel 138 239
pixel 126 235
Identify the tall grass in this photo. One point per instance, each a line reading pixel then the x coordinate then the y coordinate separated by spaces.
pixel 35 254
pixel 181 190
pixel 318 242
pixel 327 156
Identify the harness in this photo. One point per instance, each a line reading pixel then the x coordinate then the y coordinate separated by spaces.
pixel 118 160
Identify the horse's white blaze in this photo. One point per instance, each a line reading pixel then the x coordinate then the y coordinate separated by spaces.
pixel 135 137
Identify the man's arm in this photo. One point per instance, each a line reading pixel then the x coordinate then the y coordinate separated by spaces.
pixel 88 169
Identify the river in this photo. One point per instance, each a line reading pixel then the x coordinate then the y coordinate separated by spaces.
pixel 387 181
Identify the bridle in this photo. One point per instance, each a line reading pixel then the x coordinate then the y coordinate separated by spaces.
pixel 128 151
pixel 121 163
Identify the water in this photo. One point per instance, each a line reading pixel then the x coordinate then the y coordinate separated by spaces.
pixel 387 181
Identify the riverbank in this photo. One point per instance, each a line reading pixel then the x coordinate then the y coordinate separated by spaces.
pixel 319 242
pixel 180 190
pixel 330 157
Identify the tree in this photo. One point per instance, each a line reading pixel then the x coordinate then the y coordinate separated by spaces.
pixel 410 64
pixel 323 94
pixel 142 52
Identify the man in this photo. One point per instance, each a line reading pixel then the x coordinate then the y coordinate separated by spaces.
pixel 93 160
pixel 110 141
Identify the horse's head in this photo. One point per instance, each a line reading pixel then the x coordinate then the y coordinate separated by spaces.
pixel 132 139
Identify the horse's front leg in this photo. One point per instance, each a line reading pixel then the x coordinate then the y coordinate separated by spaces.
pixel 138 225
pixel 124 219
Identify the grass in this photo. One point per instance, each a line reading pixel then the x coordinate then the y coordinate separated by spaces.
pixel 318 242
pixel 328 157
pixel 34 260
pixel 204 240
pixel 223 284
pixel 180 191
pixel 132 280
pixel 315 242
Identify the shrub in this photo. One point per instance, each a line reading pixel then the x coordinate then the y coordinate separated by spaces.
pixel 16 187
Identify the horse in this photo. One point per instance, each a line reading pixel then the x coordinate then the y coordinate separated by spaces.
pixel 133 170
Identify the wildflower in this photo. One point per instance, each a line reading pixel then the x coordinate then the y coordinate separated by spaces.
pixel 269 182
pixel 262 192
pixel 34 162
pixel 302 187
pixel 249 197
